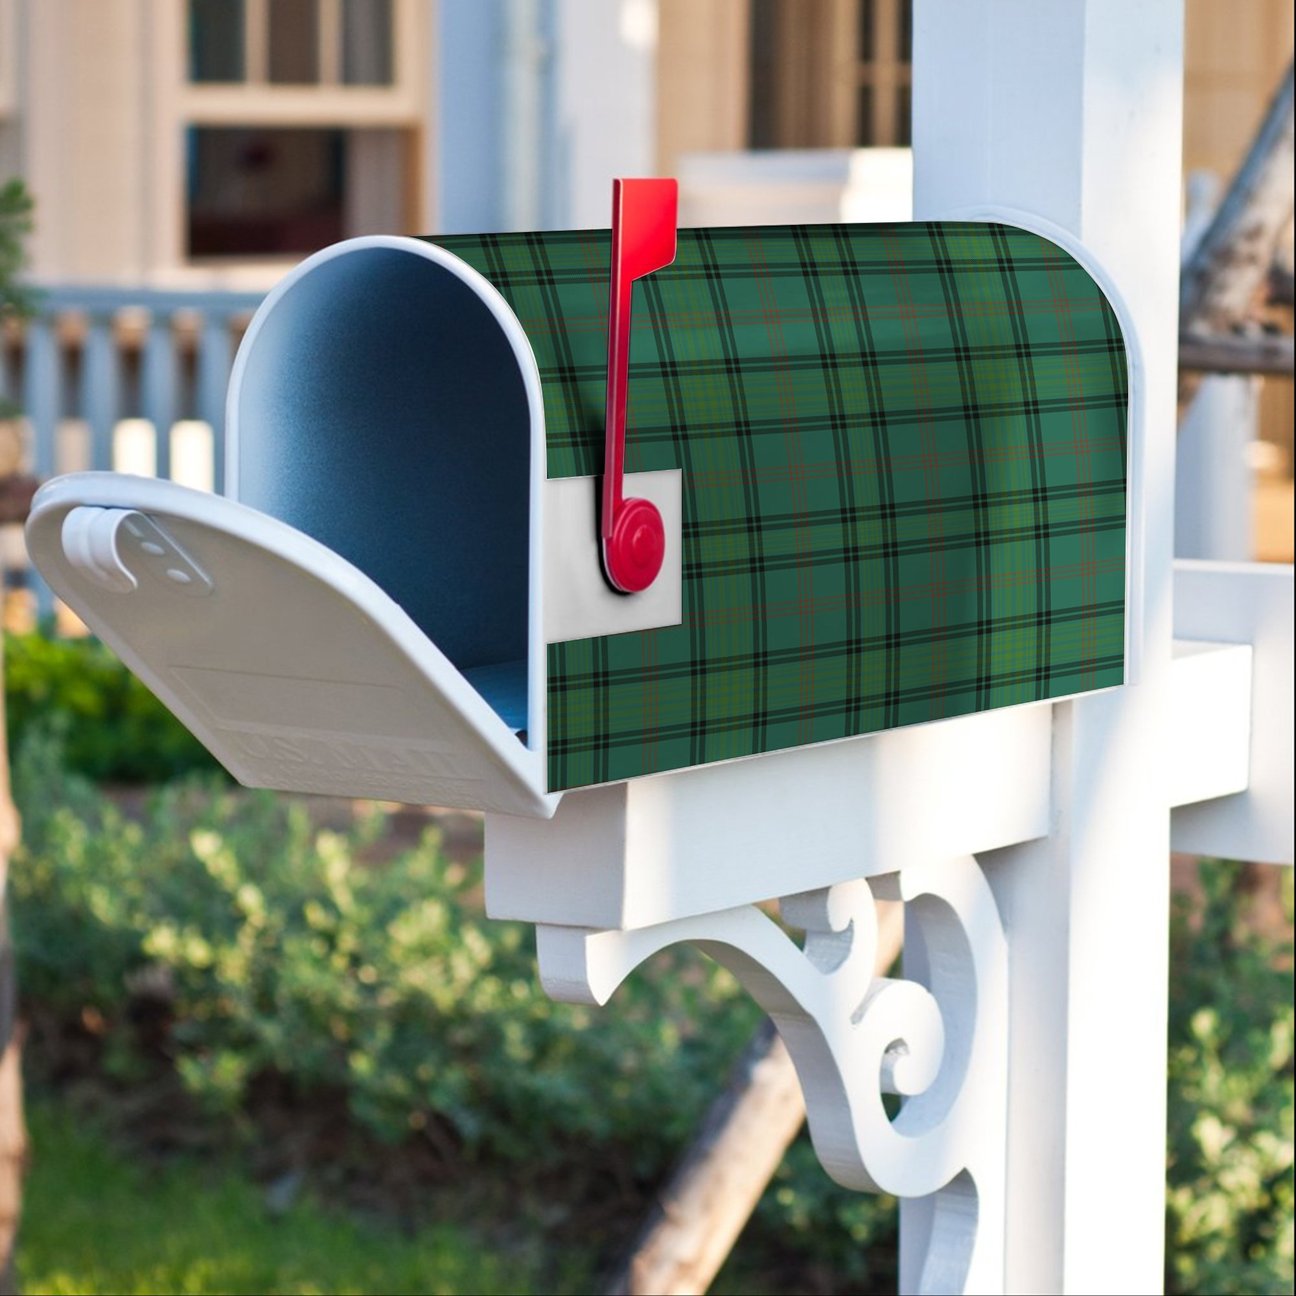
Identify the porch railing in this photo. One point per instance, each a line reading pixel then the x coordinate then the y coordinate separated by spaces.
pixel 131 380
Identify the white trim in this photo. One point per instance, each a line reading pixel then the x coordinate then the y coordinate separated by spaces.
pixel 324 106
pixel 1247 604
pixel 697 840
pixel 581 604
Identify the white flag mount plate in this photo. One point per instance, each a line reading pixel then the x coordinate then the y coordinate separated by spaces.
pixel 288 663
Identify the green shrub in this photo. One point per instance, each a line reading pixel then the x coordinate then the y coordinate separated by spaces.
pixel 847 1239
pixel 1229 1200
pixel 113 728
pixel 283 954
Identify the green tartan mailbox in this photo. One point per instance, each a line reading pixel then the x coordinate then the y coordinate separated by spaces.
pixel 903 451
pixel 891 462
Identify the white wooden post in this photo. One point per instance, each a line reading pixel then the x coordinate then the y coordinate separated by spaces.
pixel 604 100
pixel 1214 510
pixel 1072 112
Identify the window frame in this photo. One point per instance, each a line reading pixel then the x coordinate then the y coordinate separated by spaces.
pixel 180 104
pixel 815 98
pixel 255 100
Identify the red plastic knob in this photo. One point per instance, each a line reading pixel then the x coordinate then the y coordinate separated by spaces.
pixel 633 553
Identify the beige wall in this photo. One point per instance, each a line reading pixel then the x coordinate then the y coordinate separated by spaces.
pixel 1235 51
pixel 1234 55
pixel 83 116
pixel 701 78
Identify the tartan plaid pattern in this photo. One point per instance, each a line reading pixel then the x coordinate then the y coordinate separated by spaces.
pixel 904 455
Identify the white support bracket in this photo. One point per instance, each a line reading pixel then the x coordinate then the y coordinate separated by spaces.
pixel 936 1037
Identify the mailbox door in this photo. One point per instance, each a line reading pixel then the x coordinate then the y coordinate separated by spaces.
pixel 286 661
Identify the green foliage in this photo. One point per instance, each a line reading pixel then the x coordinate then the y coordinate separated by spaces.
pixel 283 954
pixel 847 1238
pixel 94 1221
pixel 15 224
pixel 112 727
pixel 1230 1198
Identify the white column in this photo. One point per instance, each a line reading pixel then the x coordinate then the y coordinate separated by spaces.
pixel 604 105
pixel 1072 112
pixel 1214 486
pixel 466 132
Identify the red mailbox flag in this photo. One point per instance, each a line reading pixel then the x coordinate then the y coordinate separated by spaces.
pixel 644 219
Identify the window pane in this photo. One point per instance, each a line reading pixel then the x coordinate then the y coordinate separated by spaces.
pixel 867 19
pixel 763 55
pixel 367 42
pixel 216 40
pixel 259 192
pixel 903 117
pixel 864 116
pixel 294 42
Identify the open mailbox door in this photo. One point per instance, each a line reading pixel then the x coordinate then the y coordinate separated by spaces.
pixel 293 667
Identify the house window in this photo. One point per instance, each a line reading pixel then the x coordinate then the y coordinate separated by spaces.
pixel 264 192
pixel 277 192
pixel 216 46
pixel 833 74
pixel 293 51
pixel 299 123
pixel 291 42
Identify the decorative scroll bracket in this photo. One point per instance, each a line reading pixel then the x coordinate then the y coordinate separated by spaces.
pixel 937 1037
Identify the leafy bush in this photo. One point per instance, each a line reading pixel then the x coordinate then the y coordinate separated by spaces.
pixel 113 728
pixel 281 953
pixel 16 299
pixel 846 1239
pixel 1230 1198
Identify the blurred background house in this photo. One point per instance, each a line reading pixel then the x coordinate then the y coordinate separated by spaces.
pixel 184 153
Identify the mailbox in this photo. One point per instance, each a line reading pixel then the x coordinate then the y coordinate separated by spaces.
pixel 888 463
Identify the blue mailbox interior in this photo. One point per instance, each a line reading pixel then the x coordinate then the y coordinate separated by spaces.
pixel 382 411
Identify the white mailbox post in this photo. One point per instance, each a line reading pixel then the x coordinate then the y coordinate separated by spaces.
pixel 1030 844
